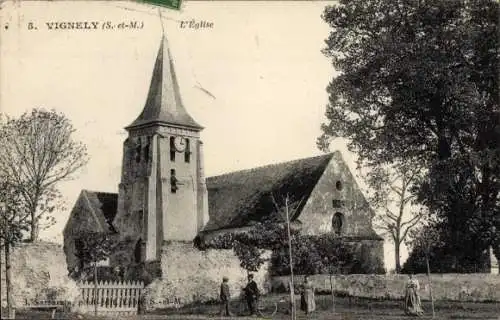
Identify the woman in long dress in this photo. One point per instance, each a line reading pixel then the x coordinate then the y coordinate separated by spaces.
pixel 307 303
pixel 413 306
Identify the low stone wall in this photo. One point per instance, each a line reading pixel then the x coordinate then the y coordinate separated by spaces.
pixel 190 275
pixel 463 287
pixel 39 271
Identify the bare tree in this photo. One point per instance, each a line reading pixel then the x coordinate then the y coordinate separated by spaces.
pixel 286 213
pixel 425 238
pixel 37 151
pixel 13 223
pixel 391 194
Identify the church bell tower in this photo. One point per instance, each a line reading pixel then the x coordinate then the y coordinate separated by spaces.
pixel 162 194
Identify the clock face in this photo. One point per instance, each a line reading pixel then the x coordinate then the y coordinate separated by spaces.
pixel 180 144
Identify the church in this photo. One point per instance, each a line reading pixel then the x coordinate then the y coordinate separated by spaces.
pixel 164 201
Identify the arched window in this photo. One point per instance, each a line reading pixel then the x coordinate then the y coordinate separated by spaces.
pixel 337 223
pixel 187 152
pixel 172 149
pixel 339 185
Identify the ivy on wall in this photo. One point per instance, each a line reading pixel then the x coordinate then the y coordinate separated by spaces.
pixel 323 254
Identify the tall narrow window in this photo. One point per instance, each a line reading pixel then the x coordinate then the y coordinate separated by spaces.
pixel 146 150
pixel 138 251
pixel 138 151
pixel 173 181
pixel 141 221
pixel 187 152
pixel 172 149
pixel 79 252
pixel 337 222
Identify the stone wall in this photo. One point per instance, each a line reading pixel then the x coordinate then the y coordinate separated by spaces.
pixel 190 275
pixel 464 287
pixel 39 269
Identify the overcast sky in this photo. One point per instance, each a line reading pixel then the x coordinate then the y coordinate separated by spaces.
pixel 261 61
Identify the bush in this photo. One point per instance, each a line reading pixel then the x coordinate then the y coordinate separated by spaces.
pixel 311 254
pixel 441 261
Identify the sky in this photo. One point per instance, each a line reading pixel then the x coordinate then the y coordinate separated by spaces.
pixel 261 62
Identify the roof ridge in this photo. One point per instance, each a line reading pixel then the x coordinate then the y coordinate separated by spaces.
pixel 92 210
pixel 326 155
pixel 95 191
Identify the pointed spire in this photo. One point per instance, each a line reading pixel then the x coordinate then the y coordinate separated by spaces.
pixel 164 104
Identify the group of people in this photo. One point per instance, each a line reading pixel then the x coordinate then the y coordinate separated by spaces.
pixel 252 294
pixel 412 304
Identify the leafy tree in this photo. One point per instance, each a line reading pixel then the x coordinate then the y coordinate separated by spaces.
pixel 418 83
pixel 392 194
pixel 470 222
pixel 13 224
pixel 94 247
pixel 430 245
pixel 426 244
pixel 37 151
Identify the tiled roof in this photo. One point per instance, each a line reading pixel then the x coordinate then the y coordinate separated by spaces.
pixel 239 198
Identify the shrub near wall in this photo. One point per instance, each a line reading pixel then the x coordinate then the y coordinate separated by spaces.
pixel 312 254
pixel 460 287
pixel 317 255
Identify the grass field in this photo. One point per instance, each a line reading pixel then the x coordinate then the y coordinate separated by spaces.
pixel 356 309
pixel 353 310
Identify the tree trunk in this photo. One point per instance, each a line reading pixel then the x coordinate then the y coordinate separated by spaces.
pixel 430 285
pixel 8 282
pixel 34 226
pixel 292 300
pixel 397 257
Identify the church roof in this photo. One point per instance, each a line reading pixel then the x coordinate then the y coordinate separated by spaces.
pixel 163 103
pixel 104 206
pixel 239 198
